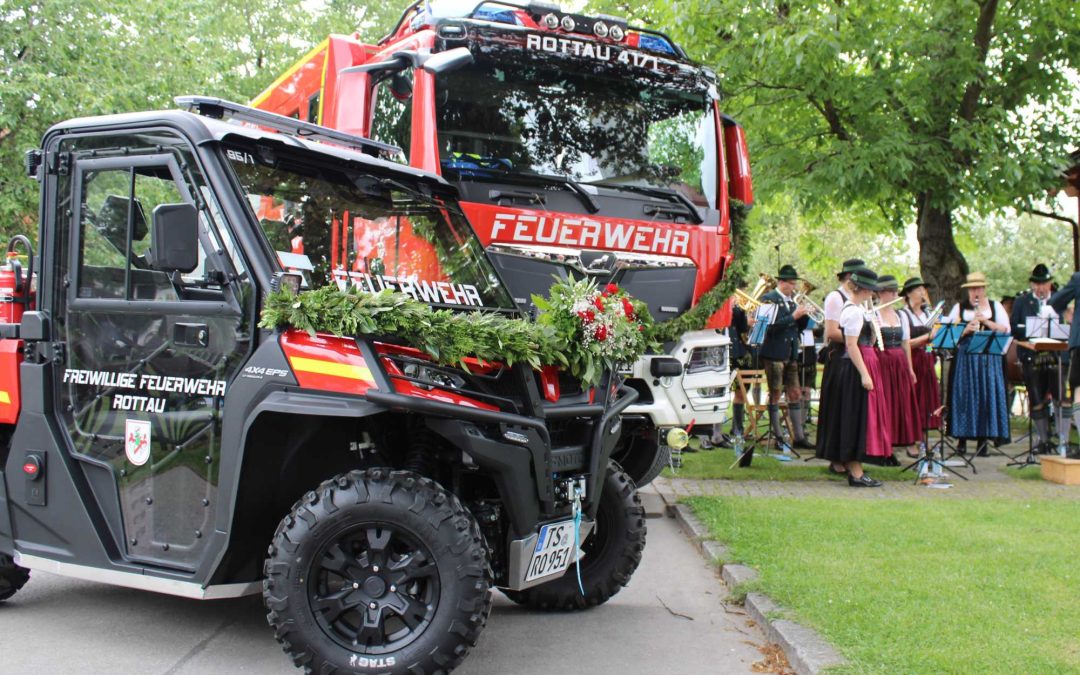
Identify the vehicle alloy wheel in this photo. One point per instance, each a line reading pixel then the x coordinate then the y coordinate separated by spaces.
pixel 612 552
pixel 378 571
pixel 12 577
pixel 373 586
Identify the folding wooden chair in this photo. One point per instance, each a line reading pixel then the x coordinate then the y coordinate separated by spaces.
pixel 754 387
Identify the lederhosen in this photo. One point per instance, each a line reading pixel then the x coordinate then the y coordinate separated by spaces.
pixel 1039 368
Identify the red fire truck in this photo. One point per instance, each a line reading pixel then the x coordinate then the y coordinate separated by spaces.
pixel 581 146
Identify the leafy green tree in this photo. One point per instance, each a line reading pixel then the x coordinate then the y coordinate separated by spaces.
pixel 67 58
pixel 911 112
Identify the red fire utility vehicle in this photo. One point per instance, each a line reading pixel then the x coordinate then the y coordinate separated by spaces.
pixel 154 436
pixel 581 146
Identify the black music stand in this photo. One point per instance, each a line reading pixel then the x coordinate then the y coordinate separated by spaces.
pixel 943 343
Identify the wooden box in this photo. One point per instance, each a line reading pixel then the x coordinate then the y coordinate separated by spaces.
pixel 1060 470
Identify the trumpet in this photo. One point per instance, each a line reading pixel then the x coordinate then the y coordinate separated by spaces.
pixel 802 299
pixel 749 302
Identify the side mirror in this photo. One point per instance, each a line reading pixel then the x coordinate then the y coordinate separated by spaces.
pixel 444 62
pixel 174 238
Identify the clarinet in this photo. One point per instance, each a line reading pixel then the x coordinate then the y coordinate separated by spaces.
pixel 875 323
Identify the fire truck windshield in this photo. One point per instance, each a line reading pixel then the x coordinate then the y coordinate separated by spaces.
pixel 366 232
pixel 587 124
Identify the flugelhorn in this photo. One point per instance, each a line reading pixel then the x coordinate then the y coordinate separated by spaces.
pixel 935 313
pixel 802 299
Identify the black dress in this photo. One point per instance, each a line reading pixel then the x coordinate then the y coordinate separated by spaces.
pixel 847 412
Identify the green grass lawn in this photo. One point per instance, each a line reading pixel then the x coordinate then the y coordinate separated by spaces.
pixel 716 464
pixel 918 586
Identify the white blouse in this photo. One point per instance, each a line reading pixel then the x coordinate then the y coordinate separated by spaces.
pixel 834 304
pixel 998 310
pixel 851 320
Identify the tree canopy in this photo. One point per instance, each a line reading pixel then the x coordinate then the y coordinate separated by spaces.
pixel 67 59
pixel 917 110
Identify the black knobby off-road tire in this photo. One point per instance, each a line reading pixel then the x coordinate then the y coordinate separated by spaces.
pixel 12 577
pixel 327 552
pixel 612 552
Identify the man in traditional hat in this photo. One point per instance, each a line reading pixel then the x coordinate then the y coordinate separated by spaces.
pixel 1059 301
pixel 780 352
pixel 1040 377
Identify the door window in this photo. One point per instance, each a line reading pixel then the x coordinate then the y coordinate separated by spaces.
pixel 115 218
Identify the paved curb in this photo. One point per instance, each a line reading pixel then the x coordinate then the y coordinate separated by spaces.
pixel 807 652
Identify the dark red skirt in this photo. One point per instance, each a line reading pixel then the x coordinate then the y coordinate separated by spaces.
pixel 904 413
pixel 878 432
pixel 927 395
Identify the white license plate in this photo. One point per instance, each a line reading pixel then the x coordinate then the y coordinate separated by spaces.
pixel 554 551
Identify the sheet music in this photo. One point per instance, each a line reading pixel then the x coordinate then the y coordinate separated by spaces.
pixel 1036 327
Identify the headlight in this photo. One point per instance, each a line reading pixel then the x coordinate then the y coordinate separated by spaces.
pixel 434 377
pixel 703 359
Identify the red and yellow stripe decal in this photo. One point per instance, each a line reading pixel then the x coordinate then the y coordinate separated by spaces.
pixel 327 363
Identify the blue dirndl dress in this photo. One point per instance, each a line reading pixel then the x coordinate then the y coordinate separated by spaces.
pixel 978 405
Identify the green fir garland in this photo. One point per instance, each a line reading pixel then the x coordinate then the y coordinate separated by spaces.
pixel 711 301
pixel 557 337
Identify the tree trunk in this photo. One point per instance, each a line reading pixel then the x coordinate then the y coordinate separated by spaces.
pixel 942 264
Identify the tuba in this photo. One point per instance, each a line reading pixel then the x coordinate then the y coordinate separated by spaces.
pixel 802 299
pixel 749 302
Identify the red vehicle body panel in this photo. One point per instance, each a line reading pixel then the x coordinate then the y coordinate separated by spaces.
pixel 11 356
pixel 347 102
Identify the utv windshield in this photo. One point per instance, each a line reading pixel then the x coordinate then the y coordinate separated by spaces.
pixel 361 231
pixel 544 117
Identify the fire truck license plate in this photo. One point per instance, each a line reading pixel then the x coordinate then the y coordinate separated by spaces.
pixel 554 550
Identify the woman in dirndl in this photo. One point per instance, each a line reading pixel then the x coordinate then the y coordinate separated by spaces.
pixel 897 372
pixel 978 407
pixel 917 314
pixel 859 434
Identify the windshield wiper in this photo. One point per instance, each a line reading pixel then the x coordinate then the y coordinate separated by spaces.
pixel 533 178
pixel 690 210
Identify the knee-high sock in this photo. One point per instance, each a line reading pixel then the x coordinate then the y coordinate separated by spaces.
pixel 774 422
pixel 738 415
pixel 1039 419
pixel 795 412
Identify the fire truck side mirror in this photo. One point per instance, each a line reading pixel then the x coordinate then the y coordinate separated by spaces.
pixel 447 61
pixel 174 238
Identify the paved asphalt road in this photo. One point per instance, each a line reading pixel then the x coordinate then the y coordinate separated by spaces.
pixel 59 625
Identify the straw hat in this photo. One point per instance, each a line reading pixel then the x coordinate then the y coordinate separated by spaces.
pixel 975 280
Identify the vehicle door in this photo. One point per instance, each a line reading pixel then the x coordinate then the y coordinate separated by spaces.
pixel 148 355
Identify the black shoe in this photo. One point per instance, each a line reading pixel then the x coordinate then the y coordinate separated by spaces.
pixel 983 451
pixel 803 444
pixel 863 481
pixel 838 472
